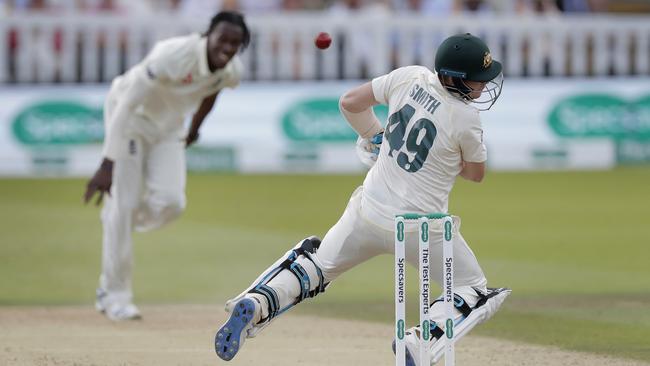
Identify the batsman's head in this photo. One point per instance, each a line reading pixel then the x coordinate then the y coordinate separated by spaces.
pixel 227 35
pixel 466 68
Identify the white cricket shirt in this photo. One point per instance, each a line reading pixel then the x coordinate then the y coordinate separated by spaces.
pixel 428 133
pixel 170 82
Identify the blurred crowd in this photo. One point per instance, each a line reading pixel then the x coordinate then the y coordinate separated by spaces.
pixel 90 57
pixel 432 7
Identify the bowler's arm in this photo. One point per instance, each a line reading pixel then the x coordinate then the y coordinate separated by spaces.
pixel 197 120
pixel 115 141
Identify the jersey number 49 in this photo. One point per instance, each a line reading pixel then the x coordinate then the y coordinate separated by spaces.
pixel 418 142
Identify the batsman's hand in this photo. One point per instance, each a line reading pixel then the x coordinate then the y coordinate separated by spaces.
pixel 368 149
pixel 100 182
pixel 192 137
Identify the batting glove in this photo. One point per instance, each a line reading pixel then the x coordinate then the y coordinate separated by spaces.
pixel 368 149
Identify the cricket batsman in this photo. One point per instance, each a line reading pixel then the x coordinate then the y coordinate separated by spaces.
pixel 143 166
pixel 432 136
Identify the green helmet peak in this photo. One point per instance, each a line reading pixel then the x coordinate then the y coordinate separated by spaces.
pixel 467 57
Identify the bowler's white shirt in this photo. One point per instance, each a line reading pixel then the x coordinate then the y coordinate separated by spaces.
pixel 178 79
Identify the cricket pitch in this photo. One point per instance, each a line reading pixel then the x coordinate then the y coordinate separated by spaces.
pixel 183 335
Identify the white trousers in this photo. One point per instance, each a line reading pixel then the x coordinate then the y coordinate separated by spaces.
pixel 354 239
pixel 148 191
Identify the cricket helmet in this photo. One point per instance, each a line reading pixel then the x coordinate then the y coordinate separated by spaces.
pixel 465 57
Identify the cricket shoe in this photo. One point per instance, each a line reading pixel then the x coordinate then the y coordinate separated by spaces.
pixel 489 303
pixel 115 311
pixel 230 338
pixel 412 343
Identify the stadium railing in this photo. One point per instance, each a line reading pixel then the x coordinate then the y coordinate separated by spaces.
pixel 86 49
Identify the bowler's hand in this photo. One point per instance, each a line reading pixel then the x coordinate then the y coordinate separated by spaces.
pixel 191 138
pixel 100 182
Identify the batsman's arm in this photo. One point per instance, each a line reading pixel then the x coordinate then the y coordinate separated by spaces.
pixel 204 109
pixel 472 147
pixel 356 106
pixel 474 172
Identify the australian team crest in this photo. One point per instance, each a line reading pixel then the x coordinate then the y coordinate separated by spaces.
pixel 487 60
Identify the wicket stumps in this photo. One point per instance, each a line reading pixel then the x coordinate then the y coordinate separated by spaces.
pixel 400 287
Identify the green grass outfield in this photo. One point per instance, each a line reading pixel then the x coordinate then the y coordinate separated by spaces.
pixel 575 248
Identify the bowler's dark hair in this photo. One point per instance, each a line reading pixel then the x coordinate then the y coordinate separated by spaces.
pixel 234 18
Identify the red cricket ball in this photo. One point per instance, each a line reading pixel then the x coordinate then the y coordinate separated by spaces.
pixel 323 40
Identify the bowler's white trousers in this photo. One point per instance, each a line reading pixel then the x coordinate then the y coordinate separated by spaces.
pixel 148 191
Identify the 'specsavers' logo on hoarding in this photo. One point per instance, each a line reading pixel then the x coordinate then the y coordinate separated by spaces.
pixel 601 115
pixel 58 123
pixel 320 120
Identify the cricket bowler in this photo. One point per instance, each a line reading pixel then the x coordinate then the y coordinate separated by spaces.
pixel 143 167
